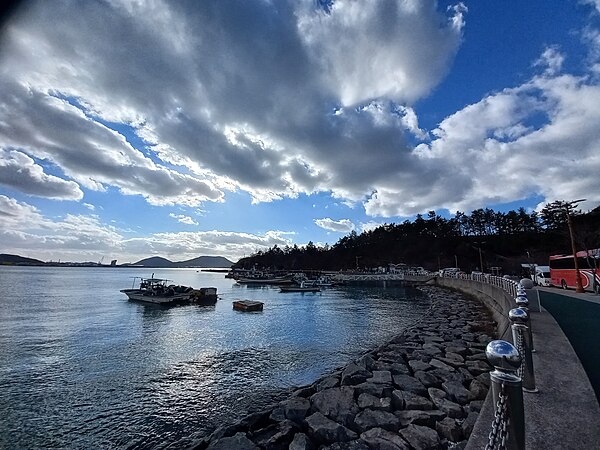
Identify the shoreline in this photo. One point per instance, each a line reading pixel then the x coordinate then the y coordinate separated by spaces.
pixel 423 389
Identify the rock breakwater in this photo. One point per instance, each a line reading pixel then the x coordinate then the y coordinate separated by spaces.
pixel 422 390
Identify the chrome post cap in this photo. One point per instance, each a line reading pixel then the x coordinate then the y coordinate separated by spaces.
pixel 518 315
pixel 503 355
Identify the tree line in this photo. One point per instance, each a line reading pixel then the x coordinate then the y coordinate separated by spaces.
pixel 498 239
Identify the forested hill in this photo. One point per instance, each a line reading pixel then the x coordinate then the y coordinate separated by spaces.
pixel 21 260
pixel 506 240
pixel 201 261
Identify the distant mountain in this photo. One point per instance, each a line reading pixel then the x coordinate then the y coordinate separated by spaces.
pixel 201 261
pixel 206 261
pixel 155 261
pixel 16 259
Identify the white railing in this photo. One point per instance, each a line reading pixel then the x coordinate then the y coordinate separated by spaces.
pixel 506 284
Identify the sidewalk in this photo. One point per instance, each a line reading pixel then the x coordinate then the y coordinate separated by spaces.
pixel 564 414
pixel 587 296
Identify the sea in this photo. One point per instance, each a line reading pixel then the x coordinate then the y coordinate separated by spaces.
pixel 83 367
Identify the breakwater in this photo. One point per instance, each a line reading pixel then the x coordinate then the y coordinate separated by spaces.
pixel 424 389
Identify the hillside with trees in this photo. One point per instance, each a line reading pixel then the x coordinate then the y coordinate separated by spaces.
pixel 506 240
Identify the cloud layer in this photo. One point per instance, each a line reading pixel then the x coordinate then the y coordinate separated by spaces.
pixel 24 230
pixel 276 99
pixel 256 96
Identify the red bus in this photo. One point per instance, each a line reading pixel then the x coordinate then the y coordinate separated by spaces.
pixel 562 270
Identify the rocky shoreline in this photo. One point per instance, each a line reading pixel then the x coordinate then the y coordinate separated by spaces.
pixel 421 390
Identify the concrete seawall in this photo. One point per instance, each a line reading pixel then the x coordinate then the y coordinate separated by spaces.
pixel 565 413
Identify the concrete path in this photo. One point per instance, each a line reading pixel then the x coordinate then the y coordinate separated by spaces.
pixel 587 296
pixel 565 413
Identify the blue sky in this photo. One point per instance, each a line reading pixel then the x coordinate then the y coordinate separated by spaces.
pixel 130 129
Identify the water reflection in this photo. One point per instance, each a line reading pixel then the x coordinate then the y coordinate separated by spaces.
pixel 100 371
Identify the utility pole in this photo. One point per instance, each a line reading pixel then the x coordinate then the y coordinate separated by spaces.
pixel 567 207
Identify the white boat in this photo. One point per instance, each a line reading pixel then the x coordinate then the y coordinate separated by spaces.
pixel 156 290
pixel 300 288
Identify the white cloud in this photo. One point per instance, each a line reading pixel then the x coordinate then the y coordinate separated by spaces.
pixel 19 171
pixel 341 226
pixel 366 49
pixel 89 206
pixel 551 60
pixel 491 155
pixel 370 225
pixel 227 113
pixel 25 231
pixel 183 219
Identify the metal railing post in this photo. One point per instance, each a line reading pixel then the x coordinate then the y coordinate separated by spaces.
pixel 508 427
pixel 520 319
pixel 523 302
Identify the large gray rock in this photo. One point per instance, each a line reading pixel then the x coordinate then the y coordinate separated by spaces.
pixel 238 441
pixel 408 400
pixel 380 439
pixel 301 442
pixel 295 408
pixel 366 361
pixel 327 383
pixel 354 374
pixel 449 429
pixel 368 401
pixel 441 365
pixel 350 445
pixel 326 430
pixel 416 417
pixel 378 390
pixel 275 436
pixel 449 408
pixel 478 367
pixel 396 367
pixel 380 377
pixel 370 418
pixel 418 365
pixel 408 383
pixel 428 379
pixel 336 403
pixel 478 390
pixel 432 349
pixel 456 392
pixel 421 438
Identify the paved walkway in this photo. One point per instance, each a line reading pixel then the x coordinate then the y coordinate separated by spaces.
pixel 587 296
pixel 578 315
pixel 565 413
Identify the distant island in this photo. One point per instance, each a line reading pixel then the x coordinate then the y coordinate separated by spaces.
pixel 155 261
pixel 201 262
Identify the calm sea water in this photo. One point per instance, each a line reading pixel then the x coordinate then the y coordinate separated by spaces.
pixel 82 367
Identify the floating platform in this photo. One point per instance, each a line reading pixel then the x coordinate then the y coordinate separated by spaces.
pixel 247 305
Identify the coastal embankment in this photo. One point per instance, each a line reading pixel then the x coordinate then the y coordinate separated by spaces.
pixel 423 389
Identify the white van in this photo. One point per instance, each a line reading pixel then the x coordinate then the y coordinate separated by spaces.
pixel 542 276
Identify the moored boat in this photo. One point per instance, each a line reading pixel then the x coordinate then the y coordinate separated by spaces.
pixel 300 288
pixel 156 290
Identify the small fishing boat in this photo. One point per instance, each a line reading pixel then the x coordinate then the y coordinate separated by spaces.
pixel 300 288
pixel 157 290
pixel 247 305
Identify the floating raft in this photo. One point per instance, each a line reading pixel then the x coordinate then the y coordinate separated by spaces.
pixel 248 305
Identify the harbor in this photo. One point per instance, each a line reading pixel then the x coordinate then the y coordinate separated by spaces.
pixel 167 376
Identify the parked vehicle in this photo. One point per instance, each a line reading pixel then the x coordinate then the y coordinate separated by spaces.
pixel 563 273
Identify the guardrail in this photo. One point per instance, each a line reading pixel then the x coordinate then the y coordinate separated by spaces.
pixel 513 372
pixel 507 284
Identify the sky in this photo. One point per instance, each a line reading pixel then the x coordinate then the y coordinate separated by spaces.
pixel 133 128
